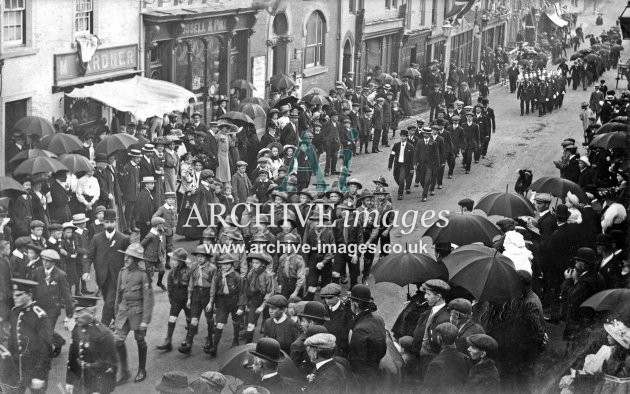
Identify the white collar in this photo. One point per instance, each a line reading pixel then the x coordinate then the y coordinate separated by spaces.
pixel 52 240
pixel 605 260
pixel 435 309
pixel 321 363
pixel 18 254
pixel 96 222
pixel 154 231
pixel 168 206
pixel 80 230
pixel 543 213
pixel 48 271
pixel 269 375
pixel 110 236
pixel 336 306
pixel 283 318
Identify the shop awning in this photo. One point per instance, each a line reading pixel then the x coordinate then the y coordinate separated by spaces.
pixel 142 97
pixel 556 19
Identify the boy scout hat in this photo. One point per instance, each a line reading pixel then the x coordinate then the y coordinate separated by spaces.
pixel 225 259
pixel 269 349
pixel 436 286
pixel 179 254
pixel 264 257
pixel 321 341
pixel 202 249
pixel 50 255
pixel 134 250
pixel 291 239
pixel 460 305
pixel 235 235
pixel 24 285
pixel 155 221
pixel 209 232
pixel 330 290
pixel 314 310
pixel 278 300
pixel 483 342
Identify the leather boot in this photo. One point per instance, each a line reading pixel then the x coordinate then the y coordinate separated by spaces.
pixel 166 345
pixel 186 347
pixel 217 339
pixel 142 362
pixel 209 346
pixel 249 336
pixel 124 366
pixel 235 340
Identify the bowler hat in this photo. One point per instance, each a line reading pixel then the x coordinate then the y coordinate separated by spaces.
pixel 110 214
pixel 134 250
pixel 361 293
pixel 314 310
pixel 278 300
pixel 604 240
pixel 268 349
pixel 466 203
pixel 562 212
pixel 404 133
pixel 174 382
pixel 585 254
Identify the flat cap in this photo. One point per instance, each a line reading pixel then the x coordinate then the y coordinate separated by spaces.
pixel 506 223
pixel 435 285
pixel 55 227
pixel 483 342
pixel 155 221
pixel 460 305
pixel 37 223
pixel 321 341
pixel 543 197
pixel 279 301
pixel 330 290
pixel 50 254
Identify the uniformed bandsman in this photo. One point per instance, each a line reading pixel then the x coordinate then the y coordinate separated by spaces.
pixel 92 359
pixel 30 342
pixel 133 309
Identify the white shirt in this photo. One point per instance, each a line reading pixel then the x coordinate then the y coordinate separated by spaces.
pixel 334 308
pixel 321 363
pixel 268 376
pixel 435 309
pixel 109 235
pixel 278 321
pixel 88 185
pixel 401 154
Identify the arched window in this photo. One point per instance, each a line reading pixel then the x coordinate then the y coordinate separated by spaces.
pixel 280 24
pixel 314 53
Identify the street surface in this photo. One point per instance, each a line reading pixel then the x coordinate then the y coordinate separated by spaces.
pixel 520 142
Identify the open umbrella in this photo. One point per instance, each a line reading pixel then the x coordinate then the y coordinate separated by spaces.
pixel 61 143
pixel 290 100
pixel 253 110
pixel 396 82
pixel 407 268
pixel 592 58
pixel 282 81
pixel 115 142
pixel 315 99
pixel 232 364
pixel 607 300
pixel 484 272
pixel 505 204
pixel 612 126
pixel 257 100
pixel 34 125
pixel 242 84
pixel 617 139
pixel 30 154
pixel 319 91
pixel 39 164
pixel 617 47
pixel 463 229
pixel 237 117
pixel 384 77
pixel 576 55
pixel 76 163
pixel 411 72
pixel 558 187
pixel 8 184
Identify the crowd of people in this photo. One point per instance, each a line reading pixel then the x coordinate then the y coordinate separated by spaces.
pixel 253 203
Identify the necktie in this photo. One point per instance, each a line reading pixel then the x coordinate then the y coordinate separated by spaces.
pixel 226 289
pixel 200 280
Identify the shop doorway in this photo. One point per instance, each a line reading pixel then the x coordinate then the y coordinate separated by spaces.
pixel 347 59
pixel 14 111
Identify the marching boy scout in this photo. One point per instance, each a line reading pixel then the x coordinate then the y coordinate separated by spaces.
pixel 177 280
pixel 31 338
pixel 154 245
pixel 228 298
pixel 292 268
pixel 199 290
pixel 258 288
pixel 92 359
pixel 133 308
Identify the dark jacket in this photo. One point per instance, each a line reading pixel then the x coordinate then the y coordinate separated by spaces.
pixel 285 333
pixel 572 170
pixel 6 289
pixel 442 316
pixel 339 325
pixel 330 378
pixel 472 135
pixel 469 328
pixel 447 372
pixel 130 183
pixel 105 255
pixel 279 384
pixel 483 378
pixel 611 272
pixel 58 208
pixel 55 293
pixel 290 135
pixel 574 294
pixel 368 344
pixel 332 132
pixel 427 154
pixel 395 155
pixel 145 207
pixel 377 118
pixel 31 341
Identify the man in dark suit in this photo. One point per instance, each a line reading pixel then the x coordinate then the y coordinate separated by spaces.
pixel 147 164
pixel 59 208
pixel 368 343
pixel 401 159
pixel 427 160
pixel 104 253
pixel 377 123
pixel 513 75
pixel 289 134
pixel 172 125
pixel 340 315
pixel 425 341
pixel 461 316
pixel 571 171
pixel 130 186
pixel 611 263
pixel 329 376
pixel 21 212
pixel 13 147
pixel 145 206
pixel 448 371
pixel 266 357
pixel 196 122
pixel 331 131
pixel 387 117
pixel 471 133
pixel 547 223
pixel 587 175
pixel 438 174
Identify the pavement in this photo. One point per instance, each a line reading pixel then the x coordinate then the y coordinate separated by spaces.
pixel 520 142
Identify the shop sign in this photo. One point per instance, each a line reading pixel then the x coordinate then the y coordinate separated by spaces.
pixel 198 28
pixel 259 72
pixel 105 60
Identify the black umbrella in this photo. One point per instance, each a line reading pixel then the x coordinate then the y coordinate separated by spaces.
pixel 506 204
pixel 282 81
pixel 315 99
pixel 61 143
pixel 257 100
pixel 37 165
pixel 115 142
pixel 34 125
pixel 407 268
pixel 608 300
pixel 558 187
pixel 612 126
pixel 242 84
pixel 292 101
pixel 463 229
pixel 617 139
pixel 8 184
pixel 232 364
pixel 31 153
pixel 576 55
pixel 237 117
pixel 484 272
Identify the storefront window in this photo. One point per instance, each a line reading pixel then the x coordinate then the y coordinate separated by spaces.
pixel 181 71
pixel 214 65
pixel 314 54
pixel 83 110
